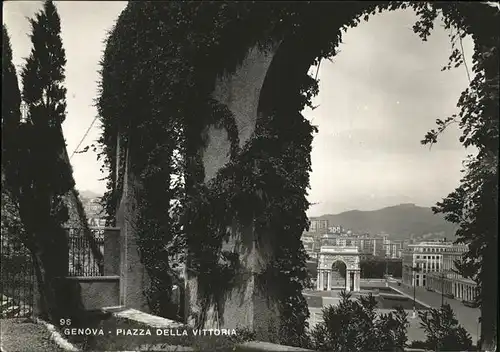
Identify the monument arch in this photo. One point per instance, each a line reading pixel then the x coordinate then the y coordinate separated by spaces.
pixel 329 255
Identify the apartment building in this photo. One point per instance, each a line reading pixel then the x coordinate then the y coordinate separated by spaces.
pixel 423 258
pixel 367 245
pixel 319 225
pixel 449 281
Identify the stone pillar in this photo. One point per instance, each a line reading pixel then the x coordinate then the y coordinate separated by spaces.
pixel 133 276
pixel 247 303
pixel 111 252
pixel 321 279
pixel 358 281
pixel 318 279
pixel 348 280
pixel 329 280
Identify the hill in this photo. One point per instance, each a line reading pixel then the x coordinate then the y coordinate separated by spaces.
pixel 400 222
pixel 89 194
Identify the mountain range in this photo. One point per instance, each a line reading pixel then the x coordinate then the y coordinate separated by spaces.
pixel 89 194
pixel 401 221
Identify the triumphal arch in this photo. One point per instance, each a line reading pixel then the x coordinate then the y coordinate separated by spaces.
pixel 328 257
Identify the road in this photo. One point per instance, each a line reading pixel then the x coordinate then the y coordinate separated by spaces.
pixel 468 317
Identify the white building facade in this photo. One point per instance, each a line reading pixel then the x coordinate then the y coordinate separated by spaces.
pixel 421 259
pixel 431 265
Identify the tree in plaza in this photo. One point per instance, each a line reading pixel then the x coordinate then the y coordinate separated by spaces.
pixel 354 325
pixel 442 330
pixel 473 205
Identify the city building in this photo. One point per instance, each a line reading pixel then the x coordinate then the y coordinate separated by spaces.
pixel 422 258
pixel 431 264
pixel 318 225
pixel 449 281
pixel 393 249
pixel 336 230
pixel 93 211
pixel 309 244
pixel 368 246
pixel 452 285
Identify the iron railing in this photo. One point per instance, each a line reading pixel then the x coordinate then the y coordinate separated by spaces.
pixel 17 278
pixel 82 261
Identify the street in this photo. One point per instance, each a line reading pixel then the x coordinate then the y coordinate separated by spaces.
pixel 468 317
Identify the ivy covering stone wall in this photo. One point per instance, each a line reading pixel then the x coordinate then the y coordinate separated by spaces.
pixel 159 70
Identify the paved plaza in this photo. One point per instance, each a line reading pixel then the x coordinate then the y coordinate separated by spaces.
pixel 468 317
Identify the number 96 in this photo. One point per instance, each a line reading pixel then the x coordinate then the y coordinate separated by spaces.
pixel 64 322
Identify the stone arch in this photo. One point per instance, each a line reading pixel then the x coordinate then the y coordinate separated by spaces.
pixel 286 61
pixel 330 255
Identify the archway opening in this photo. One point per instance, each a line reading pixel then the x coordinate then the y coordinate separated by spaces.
pixel 376 101
pixel 338 275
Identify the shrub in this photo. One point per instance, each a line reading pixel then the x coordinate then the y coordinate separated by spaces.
pixel 443 331
pixel 354 325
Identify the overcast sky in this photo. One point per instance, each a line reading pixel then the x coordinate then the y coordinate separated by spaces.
pixel 377 100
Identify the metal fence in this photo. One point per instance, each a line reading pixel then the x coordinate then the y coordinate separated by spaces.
pixel 17 279
pixel 81 259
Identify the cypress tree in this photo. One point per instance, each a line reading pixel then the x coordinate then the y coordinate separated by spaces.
pixel 47 182
pixel 11 118
pixel 11 102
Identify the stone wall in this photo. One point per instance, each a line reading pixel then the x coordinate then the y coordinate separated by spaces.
pixel 133 276
pixel 97 292
pixel 246 305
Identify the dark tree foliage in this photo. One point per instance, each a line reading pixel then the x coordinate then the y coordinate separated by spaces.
pixel 474 204
pixel 443 331
pixel 11 100
pixel 39 174
pixel 377 268
pixel 11 118
pixel 354 325
pixel 158 74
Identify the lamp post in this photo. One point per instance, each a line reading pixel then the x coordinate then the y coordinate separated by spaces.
pixel 415 269
pixel 478 339
pixel 442 289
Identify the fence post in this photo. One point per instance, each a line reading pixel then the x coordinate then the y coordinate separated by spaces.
pixel 36 309
pixel 111 251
